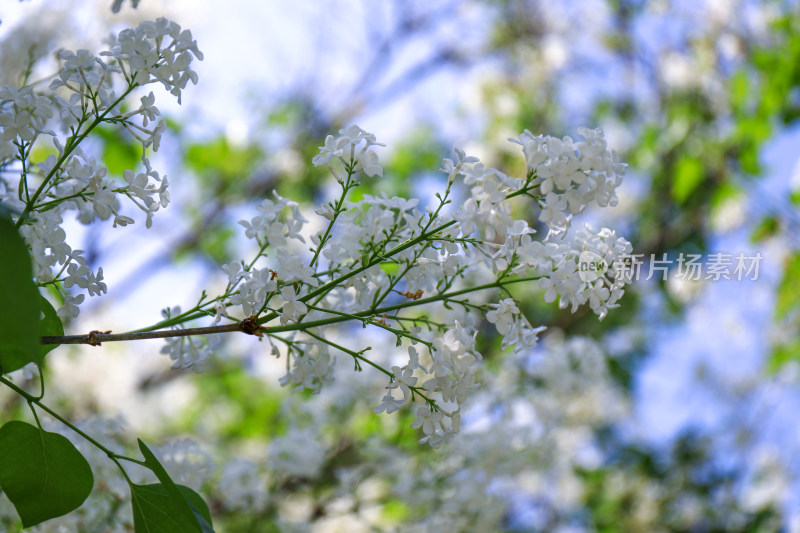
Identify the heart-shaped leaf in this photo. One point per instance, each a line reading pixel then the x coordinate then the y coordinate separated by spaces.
pixel 42 473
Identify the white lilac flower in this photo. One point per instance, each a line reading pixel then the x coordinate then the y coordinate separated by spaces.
pixel 253 289
pixel 187 352
pixel 95 285
pixel 292 308
pixel 326 211
pixel 503 315
pixel 389 404
pixel 148 110
pixel 70 307
pixel 220 310
pixel 275 234
pixel 337 148
pixel 368 163
pixel 233 270
pixel 253 227
pixel 292 268
pixel 333 148
pixel 311 369
pixel 552 213
pixel 403 379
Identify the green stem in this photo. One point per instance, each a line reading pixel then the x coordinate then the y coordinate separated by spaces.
pixel 68 149
pixel 57 201
pixel 356 355
pixel 196 311
pixel 33 399
pixel 193 314
pixel 346 186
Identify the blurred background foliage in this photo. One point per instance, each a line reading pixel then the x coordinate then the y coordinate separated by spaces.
pixel 689 96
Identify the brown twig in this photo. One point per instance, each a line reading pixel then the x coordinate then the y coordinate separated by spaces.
pixel 96 338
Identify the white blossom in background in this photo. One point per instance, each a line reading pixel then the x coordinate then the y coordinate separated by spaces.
pixel 242 486
pixel 311 369
pixel 188 352
pixel 186 462
pixel 298 453
pixel 526 432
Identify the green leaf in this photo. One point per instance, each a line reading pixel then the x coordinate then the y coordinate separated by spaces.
pixel 19 312
pixel 789 288
pixel 783 354
pixel 155 510
pixel 119 152
pixel 769 226
pixel 223 160
pixel 740 91
pixel 187 513
pixel 42 473
pixel 688 175
pixel 395 511
pixel 50 325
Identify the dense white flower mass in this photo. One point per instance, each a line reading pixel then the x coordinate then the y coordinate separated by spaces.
pixel 572 175
pixel 379 261
pixel 87 92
